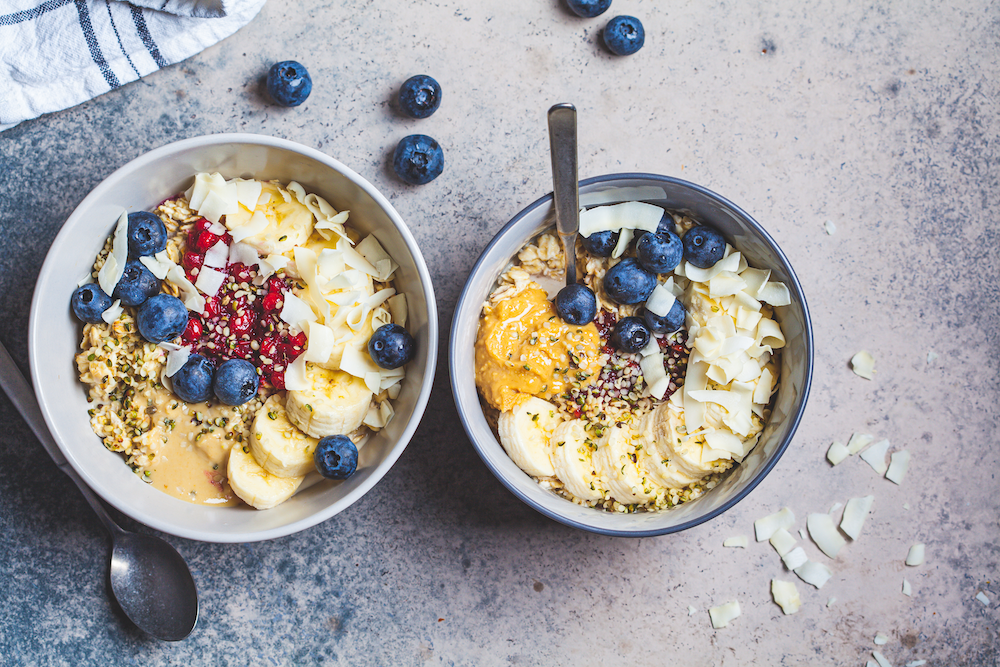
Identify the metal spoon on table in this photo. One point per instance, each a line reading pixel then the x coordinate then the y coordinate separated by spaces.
pixel 149 579
pixel 565 181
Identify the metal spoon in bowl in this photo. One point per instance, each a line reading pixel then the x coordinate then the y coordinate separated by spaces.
pixel 565 181
pixel 149 579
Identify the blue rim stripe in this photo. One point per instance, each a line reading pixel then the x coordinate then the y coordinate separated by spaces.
pixel 794 424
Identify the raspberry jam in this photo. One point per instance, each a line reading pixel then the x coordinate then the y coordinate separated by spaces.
pixel 241 321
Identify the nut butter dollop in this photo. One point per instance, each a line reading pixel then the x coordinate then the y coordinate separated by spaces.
pixel 525 349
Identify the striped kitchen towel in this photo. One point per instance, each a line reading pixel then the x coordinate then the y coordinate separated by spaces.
pixel 57 53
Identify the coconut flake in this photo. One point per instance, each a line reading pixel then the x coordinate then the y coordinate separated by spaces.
pixel 614 195
pixel 859 441
pixel 722 614
pixel 248 192
pixel 738 541
pixel 916 663
pixel 114 266
pixel 830 602
pixel 765 527
pixel 824 533
pixel 774 293
pixel 397 308
pixel 880 639
pixel 829 227
pixel 837 452
pixel 795 558
pixel 295 311
pixel 242 253
pixel 814 574
pixel 863 365
pixel 357 363
pixel 691 610
pixel 899 463
pixel 192 299
pixel 320 342
pixel 855 515
pixel 880 659
pixel 907 589
pixel 915 556
pixel 660 301
pixel 624 239
pixel 982 598
pixel 782 541
pixel 255 225
pixel 786 595
pixel 177 356
pixel 210 281
pixel 158 264
pixel 373 251
pixel 113 312
pixel 295 374
pixel 931 356
pixel 875 456
pixel 217 256
pixel 627 215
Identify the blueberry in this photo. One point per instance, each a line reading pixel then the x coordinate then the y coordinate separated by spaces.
pixel 391 346
pixel 666 224
pixel 418 159
pixel 88 302
pixel 419 96
pixel 147 235
pixel 601 244
pixel 588 9
pixel 630 334
pixel 136 285
pixel 624 35
pixel 193 382
pixel 658 252
pixel 236 382
pixel 336 457
pixel 161 318
pixel 628 282
pixel 670 323
pixel 703 246
pixel 576 304
pixel 288 83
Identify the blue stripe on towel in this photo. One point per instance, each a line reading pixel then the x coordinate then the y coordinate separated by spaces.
pixel 28 14
pixel 121 46
pixel 147 39
pixel 95 49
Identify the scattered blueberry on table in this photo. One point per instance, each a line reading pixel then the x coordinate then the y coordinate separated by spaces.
pixel 576 304
pixel 588 9
pixel 161 318
pixel 418 159
pixel 703 246
pixel 336 457
pixel 670 322
pixel 391 346
pixel 136 285
pixel 660 253
pixel 147 235
pixel 193 382
pixel 89 302
pixel 236 382
pixel 624 35
pixel 628 282
pixel 601 244
pixel 630 334
pixel 289 83
pixel 419 96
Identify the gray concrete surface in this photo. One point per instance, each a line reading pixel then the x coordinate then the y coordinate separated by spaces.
pixel 881 117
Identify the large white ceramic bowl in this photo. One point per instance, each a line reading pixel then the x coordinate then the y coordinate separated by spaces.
pixel 747 236
pixel 54 334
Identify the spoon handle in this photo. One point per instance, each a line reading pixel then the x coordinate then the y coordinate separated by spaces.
pixel 565 177
pixel 22 396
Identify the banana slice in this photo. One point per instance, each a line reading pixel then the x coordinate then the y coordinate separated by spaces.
pixel 254 485
pixel 289 223
pixel 334 404
pixel 658 458
pixel 571 458
pixel 626 480
pixel 278 445
pixel 525 433
pixel 684 453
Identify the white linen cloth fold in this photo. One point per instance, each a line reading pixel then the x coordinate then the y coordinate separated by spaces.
pixel 55 54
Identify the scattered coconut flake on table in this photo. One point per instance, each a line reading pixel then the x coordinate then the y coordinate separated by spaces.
pixel 824 533
pixel 830 227
pixel 907 589
pixel 859 441
pixel 764 528
pixel 875 456
pixel 855 515
pixel 815 574
pixel 722 614
pixel 691 610
pixel 802 533
pixel 880 639
pixel 899 463
pixel 738 541
pixel 982 598
pixel 835 507
pixel 837 452
pixel 870 663
pixel 786 595
pixel 916 663
pixel 830 602
pixel 906 506
pixel 782 541
pixel 863 365
pixel 915 556
pixel 931 356
pixel 880 659
pixel 795 558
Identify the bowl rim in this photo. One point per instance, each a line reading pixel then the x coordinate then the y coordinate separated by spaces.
pixel 793 420
pixel 36 344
